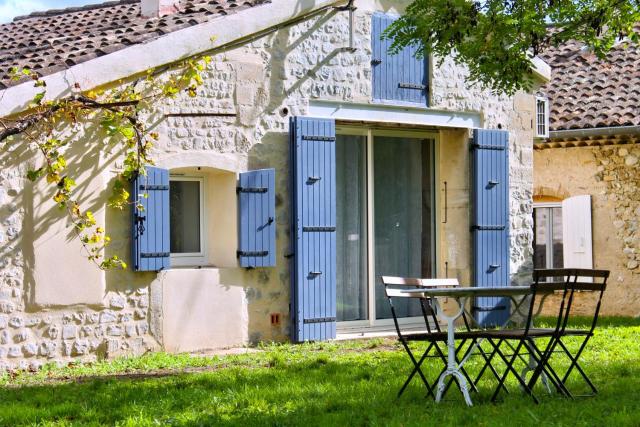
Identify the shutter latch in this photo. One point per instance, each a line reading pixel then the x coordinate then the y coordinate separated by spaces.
pixel 376 61
pixel 140 221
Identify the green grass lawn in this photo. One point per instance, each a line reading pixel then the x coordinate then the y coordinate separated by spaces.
pixel 343 383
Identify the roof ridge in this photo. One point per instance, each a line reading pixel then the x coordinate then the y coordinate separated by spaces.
pixel 55 12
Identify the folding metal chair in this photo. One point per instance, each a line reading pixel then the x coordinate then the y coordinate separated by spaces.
pixel 434 334
pixel 584 282
pixel 525 342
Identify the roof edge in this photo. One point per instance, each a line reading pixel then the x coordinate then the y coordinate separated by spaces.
pixel 165 50
pixel 590 132
pixel 541 69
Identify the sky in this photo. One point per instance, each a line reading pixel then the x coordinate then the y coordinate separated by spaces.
pixel 12 8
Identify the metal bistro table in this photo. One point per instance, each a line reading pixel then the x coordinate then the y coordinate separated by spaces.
pixel 461 294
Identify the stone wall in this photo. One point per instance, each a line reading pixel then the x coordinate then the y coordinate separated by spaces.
pixel 610 174
pixel 263 83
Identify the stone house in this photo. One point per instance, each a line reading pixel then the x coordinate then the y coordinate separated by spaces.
pixel 310 162
pixel 586 170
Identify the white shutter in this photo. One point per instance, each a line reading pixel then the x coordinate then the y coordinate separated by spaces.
pixel 576 232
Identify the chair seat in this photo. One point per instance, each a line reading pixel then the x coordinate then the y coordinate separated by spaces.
pixel 518 333
pixel 425 336
pixel 442 336
pixel 573 332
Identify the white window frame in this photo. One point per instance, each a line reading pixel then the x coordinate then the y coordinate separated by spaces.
pixel 545 134
pixel 549 242
pixel 193 259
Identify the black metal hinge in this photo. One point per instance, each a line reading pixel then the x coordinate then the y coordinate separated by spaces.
pixel 487 227
pixel 320 320
pixel 251 189
pixel 412 86
pixel 487 147
pixel 318 138
pixel 154 254
pixel 154 187
pixel 318 229
pixel 251 253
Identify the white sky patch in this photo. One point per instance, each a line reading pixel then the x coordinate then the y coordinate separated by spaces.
pixel 12 8
pixel 9 9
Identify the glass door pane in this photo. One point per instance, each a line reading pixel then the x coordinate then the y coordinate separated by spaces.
pixel 556 237
pixel 403 215
pixel 351 228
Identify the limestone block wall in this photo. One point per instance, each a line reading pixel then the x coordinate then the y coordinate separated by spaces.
pixel 261 85
pixel 610 175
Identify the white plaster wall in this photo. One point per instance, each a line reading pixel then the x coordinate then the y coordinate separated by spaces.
pixel 203 309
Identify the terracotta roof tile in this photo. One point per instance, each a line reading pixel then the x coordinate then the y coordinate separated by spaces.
pixel 586 92
pixel 50 41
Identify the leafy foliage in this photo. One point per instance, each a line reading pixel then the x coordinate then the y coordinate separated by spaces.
pixel 498 39
pixel 118 112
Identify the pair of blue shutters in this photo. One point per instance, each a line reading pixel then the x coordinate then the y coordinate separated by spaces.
pixel 396 77
pixel 490 222
pixel 256 220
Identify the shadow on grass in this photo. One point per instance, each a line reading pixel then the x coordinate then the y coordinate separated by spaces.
pixel 350 389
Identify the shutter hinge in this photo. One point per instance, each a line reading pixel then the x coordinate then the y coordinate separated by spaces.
pixel 411 86
pixel 251 189
pixel 487 147
pixel 154 187
pixel 154 254
pixel 487 227
pixel 251 253
pixel 318 229
pixel 319 320
pixel 318 138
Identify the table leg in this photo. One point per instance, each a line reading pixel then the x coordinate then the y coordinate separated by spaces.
pixel 453 369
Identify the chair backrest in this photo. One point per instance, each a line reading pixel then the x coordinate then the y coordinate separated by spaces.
pixel 393 287
pixel 546 281
pixel 392 282
pixel 586 281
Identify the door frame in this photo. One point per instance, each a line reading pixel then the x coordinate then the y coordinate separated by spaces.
pixel 370 132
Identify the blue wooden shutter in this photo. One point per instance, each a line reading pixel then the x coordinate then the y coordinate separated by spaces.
pixel 256 214
pixel 490 191
pixel 399 77
pixel 151 248
pixel 313 284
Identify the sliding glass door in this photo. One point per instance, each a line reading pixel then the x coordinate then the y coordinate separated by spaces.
pixel 351 227
pixel 403 200
pixel 385 218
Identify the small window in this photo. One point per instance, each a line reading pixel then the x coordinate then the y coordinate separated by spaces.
pixel 542 117
pixel 186 205
pixel 548 240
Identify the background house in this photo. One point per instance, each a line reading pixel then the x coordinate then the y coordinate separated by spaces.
pixel 310 163
pixel 586 169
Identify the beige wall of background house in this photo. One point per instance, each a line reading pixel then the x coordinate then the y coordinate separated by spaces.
pixel 612 181
pixel 263 83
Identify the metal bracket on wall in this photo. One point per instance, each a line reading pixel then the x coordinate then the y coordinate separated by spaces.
pixel 446 203
pixel 351 8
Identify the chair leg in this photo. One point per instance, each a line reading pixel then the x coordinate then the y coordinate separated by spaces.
pixel 416 369
pixel 487 363
pixel 510 368
pixel 544 366
pixel 575 364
